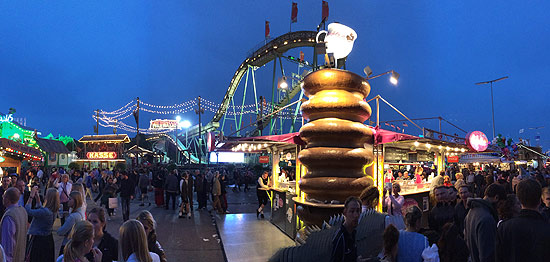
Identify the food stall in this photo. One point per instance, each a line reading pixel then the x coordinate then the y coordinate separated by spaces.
pixel 13 153
pixel 102 151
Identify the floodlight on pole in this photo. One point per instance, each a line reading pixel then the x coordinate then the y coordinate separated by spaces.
pixel 185 124
pixel 492 104
pixel 282 83
pixel 394 78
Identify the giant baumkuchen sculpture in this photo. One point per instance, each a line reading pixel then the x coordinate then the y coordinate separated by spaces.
pixel 338 144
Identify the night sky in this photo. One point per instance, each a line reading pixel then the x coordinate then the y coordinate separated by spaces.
pixel 60 60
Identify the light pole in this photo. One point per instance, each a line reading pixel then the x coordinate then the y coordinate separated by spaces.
pixel 492 104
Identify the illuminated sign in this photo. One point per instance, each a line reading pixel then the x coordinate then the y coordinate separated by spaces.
pixel 227 157
pixel 477 141
pixel 161 124
pixel 101 155
pixel 6 118
pixel 452 159
pixel 2 159
pixel 264 159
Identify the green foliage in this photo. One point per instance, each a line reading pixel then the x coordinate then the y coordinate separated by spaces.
pixel 74 166
pixel 120 166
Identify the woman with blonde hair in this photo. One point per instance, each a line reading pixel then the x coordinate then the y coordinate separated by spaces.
pixel 150 226
pixel 81 242
pixel 40 242
pixel 75 203
pixel 133 243
pixel 80 188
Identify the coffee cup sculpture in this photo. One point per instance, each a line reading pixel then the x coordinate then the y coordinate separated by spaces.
pixel 338 144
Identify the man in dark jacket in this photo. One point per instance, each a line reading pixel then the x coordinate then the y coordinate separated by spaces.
pixel 127 190
pixel 527 236
pixel 480 225
pixel 171 186
pixel 201 189
pixel 443 212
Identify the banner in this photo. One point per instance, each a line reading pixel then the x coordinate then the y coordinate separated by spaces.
pixel 294 14
pixel 325 11
pixel 266 29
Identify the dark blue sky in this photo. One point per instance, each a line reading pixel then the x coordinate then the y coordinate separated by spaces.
pixel 61 60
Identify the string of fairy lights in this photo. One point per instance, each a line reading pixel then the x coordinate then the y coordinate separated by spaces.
pixel 115 119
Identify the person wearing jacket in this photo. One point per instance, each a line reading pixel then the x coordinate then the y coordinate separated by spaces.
pixel 127 190
pixel 107 244
pixel 480 225
pixel 527 236
pixel 200 188
pixel 41 243
pixel 171 185
pixel 75 203
pixel 216 193
pixel 150 225
pixel 186 189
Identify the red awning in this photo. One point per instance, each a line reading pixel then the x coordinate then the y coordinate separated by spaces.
pixel 291 138
pixel 385 136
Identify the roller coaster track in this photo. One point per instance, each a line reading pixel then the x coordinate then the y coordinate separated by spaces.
pixel 263 55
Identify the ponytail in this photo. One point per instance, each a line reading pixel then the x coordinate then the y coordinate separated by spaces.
pixel 81 232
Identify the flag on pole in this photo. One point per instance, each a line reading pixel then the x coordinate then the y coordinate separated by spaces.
pixel 392 126
pixel 136 115
pixel 294 13
pixel 537 138
pixel 405 124
pixel 266 29
pixel 521 131
pixel 301 56
pixel 388 124
pixel 325 11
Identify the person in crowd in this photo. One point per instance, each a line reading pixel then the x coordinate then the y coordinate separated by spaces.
pixel 109 191
pixel 237 180
pixel 41 243
pixel 150 226
pixel 452 193
pixel 171 188
pixel 126 190
pixel 101 182
pixel 394 202
pixel 261 192
pixel 78 187
pixel 411 243
pixel 391 240
pixel 461 207
pixel 481 223
pixel 527 236
pixel 442 213
pixel 545 204
pixel 144 183
pixel 133 243
pixel 343 244
pixel 6 182
pixel 105 242
pixel 186 189
pixel 13 227
pixel 447 181
pixel 24 194
pixel 459 181
pixel 200 188
pixel 223 196
pixel 508 208
pixel 80 244
pixel 158 183
pixel 88 181
pixel 74 203
pixel 370 245
pixel 64 189
pixel 452 247
pixel 437 181
pixel 14 179
pixel 216 193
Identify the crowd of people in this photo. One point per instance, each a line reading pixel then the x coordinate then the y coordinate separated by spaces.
pixel 33 202
pixel 489 215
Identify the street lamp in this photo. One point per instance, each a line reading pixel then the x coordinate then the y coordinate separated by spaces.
pixel 394 78
pixel 492 104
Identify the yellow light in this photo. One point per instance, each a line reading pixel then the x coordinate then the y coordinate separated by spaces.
pixel 416 143
pixel 456 149
pixel 393 81
pixel 428 146
pixel 440 147
pixel 448 148
pixel 463 150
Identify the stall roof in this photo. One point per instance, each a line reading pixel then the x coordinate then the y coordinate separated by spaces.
pixel 105 139
pixel 20 149
pixel 52 146
pixel 385 136
pixel 138 149
pixel 480 158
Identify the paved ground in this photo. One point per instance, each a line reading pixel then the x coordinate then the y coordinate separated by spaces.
pixel 196 239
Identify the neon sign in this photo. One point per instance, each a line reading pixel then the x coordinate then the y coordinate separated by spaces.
pixel 477 141
pixel 6 118
pixel 101 155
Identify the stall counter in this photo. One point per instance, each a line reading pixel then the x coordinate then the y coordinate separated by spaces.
pixel 283 211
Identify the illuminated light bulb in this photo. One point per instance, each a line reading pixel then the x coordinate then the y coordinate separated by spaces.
pixel 265 145
pixel 428 146
pixel 416 143
pixel 463 150
pixel 456 149
pixel 440 147
pixel 448 148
